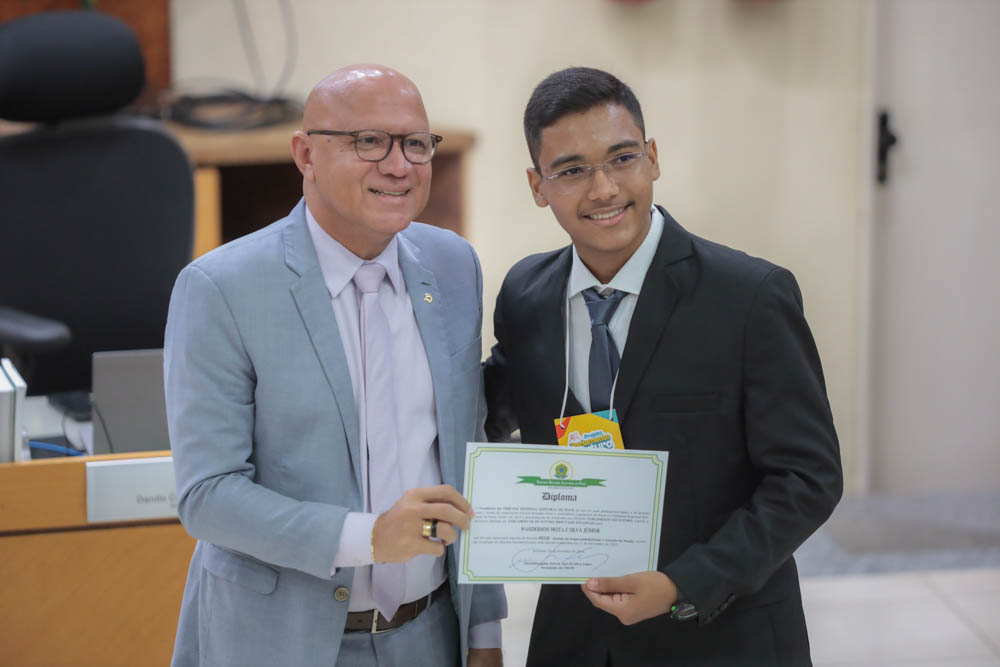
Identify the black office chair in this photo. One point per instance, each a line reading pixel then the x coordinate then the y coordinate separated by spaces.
pixel 96 210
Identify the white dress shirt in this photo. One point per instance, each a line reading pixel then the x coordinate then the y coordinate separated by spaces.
pixel 416 421
pixel 629 280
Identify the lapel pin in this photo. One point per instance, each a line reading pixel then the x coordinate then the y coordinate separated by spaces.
pixel 428 298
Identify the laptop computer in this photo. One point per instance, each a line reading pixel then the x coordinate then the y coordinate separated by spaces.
pixel 129 410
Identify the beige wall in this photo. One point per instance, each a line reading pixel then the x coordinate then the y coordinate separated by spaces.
pixel 756 106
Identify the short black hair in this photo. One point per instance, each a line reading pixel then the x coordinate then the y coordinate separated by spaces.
pixel 574 90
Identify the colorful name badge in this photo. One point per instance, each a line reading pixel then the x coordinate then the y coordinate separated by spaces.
pixel 599 430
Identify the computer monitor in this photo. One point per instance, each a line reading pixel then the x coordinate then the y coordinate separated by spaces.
pixel 130 413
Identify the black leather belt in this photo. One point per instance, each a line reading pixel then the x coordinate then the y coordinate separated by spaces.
pixel 374 622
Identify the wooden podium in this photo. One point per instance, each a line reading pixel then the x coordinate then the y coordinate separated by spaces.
pixel 79 594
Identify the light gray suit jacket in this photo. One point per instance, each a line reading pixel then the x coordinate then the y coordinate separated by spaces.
pixel 264 433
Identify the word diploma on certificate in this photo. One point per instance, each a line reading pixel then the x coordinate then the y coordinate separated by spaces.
pixel 560 515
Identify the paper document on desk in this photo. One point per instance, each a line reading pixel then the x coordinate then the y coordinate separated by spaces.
pixel 7 453
pixel 17 418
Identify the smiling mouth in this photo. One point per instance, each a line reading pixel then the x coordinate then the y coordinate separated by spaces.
pixel 607 215
pixel 388 192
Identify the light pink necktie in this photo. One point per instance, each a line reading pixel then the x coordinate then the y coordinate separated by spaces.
pixel 384 486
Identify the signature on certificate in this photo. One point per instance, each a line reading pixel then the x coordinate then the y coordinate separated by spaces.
pixel 527 560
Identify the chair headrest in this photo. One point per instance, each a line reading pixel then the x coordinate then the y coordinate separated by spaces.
pixel 69 64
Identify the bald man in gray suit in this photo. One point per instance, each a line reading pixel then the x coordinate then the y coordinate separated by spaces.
pixel 322 379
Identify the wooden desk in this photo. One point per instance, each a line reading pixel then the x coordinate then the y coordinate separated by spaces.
pixel 77 594
pixel 245 180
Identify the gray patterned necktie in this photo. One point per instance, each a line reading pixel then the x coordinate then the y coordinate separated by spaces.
pixel 604 358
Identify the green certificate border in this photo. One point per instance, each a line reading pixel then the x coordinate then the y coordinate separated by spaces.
pixel 570 451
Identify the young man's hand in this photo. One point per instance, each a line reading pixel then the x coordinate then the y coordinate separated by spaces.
pixel 634 597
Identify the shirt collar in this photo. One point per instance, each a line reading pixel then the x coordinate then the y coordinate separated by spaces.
pixel 629 278
pixel 338 264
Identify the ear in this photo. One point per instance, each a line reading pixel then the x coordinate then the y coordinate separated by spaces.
pixel 535 183
pixel 653 160
pixel 302 154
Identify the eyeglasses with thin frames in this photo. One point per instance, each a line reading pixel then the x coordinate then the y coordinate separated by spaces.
pixel 578 176
pixel 375 145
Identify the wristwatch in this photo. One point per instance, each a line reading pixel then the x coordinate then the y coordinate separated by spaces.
pixel 682 609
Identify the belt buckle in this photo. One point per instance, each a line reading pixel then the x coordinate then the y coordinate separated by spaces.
pixel 375 630
pixel 376 613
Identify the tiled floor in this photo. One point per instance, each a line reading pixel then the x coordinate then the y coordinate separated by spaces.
pixel 948 618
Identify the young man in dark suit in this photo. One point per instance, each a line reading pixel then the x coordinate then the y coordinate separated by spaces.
pixel 704 352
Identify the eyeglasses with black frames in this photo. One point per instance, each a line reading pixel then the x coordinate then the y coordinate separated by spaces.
pixel 578 176
pixel 375 145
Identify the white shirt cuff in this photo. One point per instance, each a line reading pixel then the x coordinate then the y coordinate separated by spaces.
pixel 485 635
pixel 355 547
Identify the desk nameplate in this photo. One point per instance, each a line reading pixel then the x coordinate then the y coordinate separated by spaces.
pixel 131 489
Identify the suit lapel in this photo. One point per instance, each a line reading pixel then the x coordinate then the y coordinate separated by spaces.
pixel 313 301
pixel 421 282
pixel 657 299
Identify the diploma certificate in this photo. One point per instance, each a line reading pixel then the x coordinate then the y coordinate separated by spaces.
pixel 560 515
